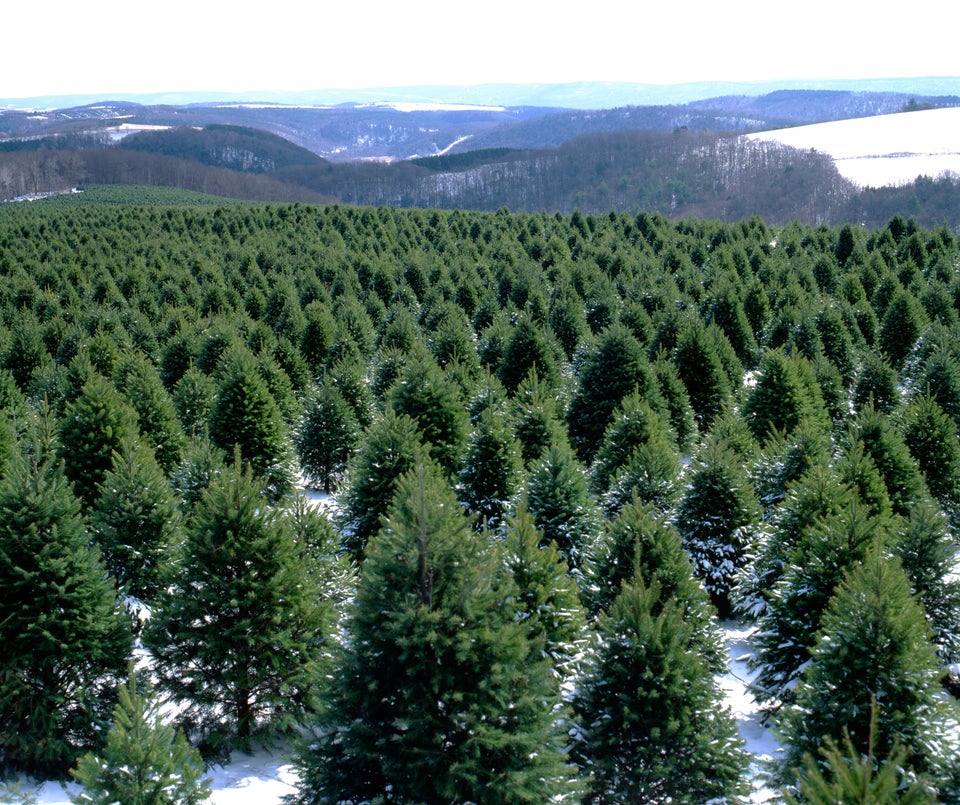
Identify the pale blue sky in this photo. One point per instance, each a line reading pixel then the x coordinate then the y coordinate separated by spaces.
pixel 119 46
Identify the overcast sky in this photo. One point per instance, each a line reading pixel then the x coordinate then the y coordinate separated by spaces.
pixel 123 46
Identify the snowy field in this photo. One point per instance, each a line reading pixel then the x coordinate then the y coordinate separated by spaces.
pixel 882 150
pixel 264 779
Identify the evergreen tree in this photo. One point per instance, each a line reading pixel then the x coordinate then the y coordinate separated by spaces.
pixel 561 505
pixel 931 437
pixel 643 544
pixel 247 417
pixel 65 637
pixel 716 517
pixel 536 418
pixel 389 447
pixel 547 595
pixel 202 462
pixel 327 437
pixel 876 384
pixel 679 409
pixel 136 522
pixel 527 350
pixel 144 761
pixel 634 424
pixel 902 323
pixel 492 470
pixel 617 367
pixel 97 423
pixel 194 396
pixel 238 637
pixel 927 551
pixel 441 694
pixel 701 369
pixel 653 728
pixel 873 648
pixel 784 396
pixel 137 380
pixel 425 395
pixel 651 474
pixel 797 601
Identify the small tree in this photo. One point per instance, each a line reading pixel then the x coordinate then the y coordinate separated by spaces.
pixel 239 636
pixel 144 761
pixel 653 728
pixel 328 434
pixel 492 470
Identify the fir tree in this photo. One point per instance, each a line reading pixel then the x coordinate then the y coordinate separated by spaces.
pixel 246 416
pixel 65 637
pixel 716 517
pixel 528 350
pixel 390 447
pixel 193 397
pixel 441 694
pixel 144 762
pixel 424 395
pixel 136 522
pixel 701 369
pixel 653 728
pixel 547 595
pixel 327 437
pixel 97 423
pixel 873 648
pixel 238 638
pixel 536 418
pixel 797 601
pixel 639 543
pixel 561 505
pixel 492 470
pixel 931 437
pixel 784 396
pixel 651 474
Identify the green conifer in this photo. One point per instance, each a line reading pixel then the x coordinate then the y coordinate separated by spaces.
pixel 327 436
pixel 144 762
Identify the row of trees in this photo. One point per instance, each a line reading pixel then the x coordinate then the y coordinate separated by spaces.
pixel 559 448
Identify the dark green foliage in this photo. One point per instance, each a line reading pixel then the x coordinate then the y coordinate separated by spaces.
pixel 873 648
pixel 246 417
pixel 547 594
pixel 136 522
pixel 701 369
pixel 902 323
pixel 615 368
pixel 390 447
pixel 876 384
pixel 798 599
pixel 194 396
pixel 97 423
pixel 784 396
pixel 679 410
pixel 65 637
pixel 137 380
pixel 238 638
pixel 442 694
pixel 327 436
pixel 528 349
pixel 653 729
pixel 429 399
pixel 144 761
pixel 931 437
pixel 492 470
pixel 716 517
pixel 536 417
pixel 561 504
pixel 651 474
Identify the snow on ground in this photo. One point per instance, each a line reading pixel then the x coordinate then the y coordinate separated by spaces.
pixel 884 149
pixel 760 740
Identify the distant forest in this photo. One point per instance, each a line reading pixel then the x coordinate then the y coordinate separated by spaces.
pixel 677 174
pixel 557 448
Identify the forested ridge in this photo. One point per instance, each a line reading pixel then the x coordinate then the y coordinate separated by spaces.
pixel 558 448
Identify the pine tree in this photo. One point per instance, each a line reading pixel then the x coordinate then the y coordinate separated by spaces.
pixel 547 595
pixel 389 447
pixel 441 695
pixel 701 369
pixel 144 762
pixel 784 396
pixel 492 470
pixel 136 522
pixel 193 397
pixel 246 416
pixel 903 322
pixel 327 436
pixel 536 418
pixel 931 437
pixel 97 423
pixel 796 604
pixel 716 517
pixel 238 638
pixel 873 648
pixel 653 728
pixel 528 350
pixel 424 395
pixel 642 544
pixel 651 474
pixel 561 505
pixel 66 639
pixel 617 367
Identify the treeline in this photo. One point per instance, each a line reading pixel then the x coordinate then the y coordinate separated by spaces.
pixel 677 174
pixel 558 449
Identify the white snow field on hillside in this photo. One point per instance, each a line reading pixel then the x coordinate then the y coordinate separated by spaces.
pixel 885 149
